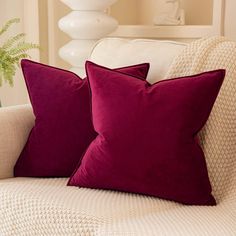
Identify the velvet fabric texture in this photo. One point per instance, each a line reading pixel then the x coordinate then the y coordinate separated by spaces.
pixel 63 127
pixel 147 135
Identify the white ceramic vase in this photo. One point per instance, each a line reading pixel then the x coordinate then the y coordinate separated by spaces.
pixel 87 23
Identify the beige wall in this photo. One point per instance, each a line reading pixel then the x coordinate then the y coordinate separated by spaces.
pixel 144 10
pixel 230 19
pixel 56 38
pixel 147 11
pixel 125 11
pixel 23 9
pixel 198 12
pixel 51 38
pixel 16 95
pixel 43 29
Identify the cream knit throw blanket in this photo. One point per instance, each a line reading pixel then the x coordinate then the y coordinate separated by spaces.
pixel 218 137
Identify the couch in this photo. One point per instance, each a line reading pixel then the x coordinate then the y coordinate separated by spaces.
pixel 46 206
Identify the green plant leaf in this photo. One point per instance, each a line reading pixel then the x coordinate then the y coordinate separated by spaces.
pixel 8 24
pixel 11 52
pixel 10 42
pixel 17 59
pixel 22 47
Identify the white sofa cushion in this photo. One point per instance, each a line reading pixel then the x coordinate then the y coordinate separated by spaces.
pixel 48 207
pixel 116 52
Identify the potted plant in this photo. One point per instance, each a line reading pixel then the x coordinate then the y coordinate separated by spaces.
pixel 11 52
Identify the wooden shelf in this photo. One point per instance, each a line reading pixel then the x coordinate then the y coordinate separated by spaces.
pixel 176 32
pixel 183 31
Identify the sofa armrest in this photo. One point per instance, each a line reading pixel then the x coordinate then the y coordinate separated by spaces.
pixel 15 125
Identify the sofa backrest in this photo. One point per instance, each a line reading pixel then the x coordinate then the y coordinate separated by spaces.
pixel 116 52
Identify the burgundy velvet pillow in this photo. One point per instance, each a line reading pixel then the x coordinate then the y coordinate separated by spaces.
pixel 146 139
pixel 63 127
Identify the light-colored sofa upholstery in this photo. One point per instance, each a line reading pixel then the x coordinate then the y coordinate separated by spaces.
pixel 31 206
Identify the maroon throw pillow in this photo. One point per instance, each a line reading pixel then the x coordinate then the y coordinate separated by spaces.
pixel 63 127
pixel 146 139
